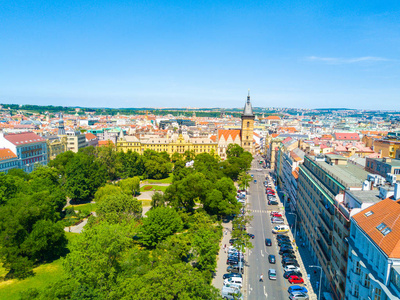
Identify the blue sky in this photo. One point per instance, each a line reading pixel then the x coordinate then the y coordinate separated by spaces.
pixel 306 54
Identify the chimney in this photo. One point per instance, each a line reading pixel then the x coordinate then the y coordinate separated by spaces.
pixel 396 195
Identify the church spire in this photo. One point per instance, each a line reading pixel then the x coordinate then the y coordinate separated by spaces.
pixel 248 110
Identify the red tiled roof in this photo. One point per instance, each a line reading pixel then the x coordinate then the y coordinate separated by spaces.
pixel 272 118
pixel 106 143
pixel 295 173
pixel 213 138
pixel 23 138
pixel 230 132
pixel 6 153
pixel 347 136
pixel 90 136
pixel 386 211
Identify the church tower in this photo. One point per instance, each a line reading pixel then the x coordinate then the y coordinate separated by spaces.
pixel 247 126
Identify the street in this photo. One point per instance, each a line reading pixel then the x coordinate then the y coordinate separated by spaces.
pixel 257 260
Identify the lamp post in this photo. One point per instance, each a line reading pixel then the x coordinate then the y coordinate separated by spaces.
pixel 295 222
pixel 320 280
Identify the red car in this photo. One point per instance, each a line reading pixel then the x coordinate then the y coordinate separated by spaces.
pixel 295 279
pixel 276 215
pixel 269 189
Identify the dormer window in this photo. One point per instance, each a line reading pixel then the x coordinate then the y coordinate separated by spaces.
pixel 368 213
pixel 386 231
pixel 381 226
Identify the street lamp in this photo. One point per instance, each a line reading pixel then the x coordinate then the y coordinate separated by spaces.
pixel 320 279
pixel 295 222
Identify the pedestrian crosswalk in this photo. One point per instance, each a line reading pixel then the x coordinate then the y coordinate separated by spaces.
pixel 264 211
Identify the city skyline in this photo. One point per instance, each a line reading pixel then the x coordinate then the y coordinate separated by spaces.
pixel 151 54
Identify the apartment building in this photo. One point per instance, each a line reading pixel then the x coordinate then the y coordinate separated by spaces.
pixel 75 140
pixel 383 166
pixel 8 160
pixel 323 216
pixel 30 149
pixel 373 270
pixel 386 148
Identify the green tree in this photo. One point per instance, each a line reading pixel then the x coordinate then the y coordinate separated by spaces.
pixel 244 180
pixel 84 175
pixel 130 186
pixel 119 207
pixel 107 157
pixel 188 191
pixel 160 223
pixel 157 200
pixel 8 187
pixel 107 190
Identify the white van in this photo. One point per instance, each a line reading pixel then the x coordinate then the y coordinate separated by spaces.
pixel 280 229
pixel 231 293
pixel 234 281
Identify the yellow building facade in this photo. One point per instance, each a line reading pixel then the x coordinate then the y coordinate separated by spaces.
pixel 247 127
pixel 175 144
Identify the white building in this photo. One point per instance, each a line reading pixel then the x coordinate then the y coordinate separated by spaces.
pixel 373 270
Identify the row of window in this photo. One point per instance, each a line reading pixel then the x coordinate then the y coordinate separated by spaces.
pixel 8 164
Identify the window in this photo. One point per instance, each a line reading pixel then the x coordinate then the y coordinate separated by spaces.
pixel 396 171
pixel 378 293
pixel 358 268
pixel 248 124
pixel 355 292
pixel 386 231
pixel 381 226
pixel 368 213
pixel 365 281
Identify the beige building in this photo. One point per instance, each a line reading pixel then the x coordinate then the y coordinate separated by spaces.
pixel 55 146
pixel 75 141
pixel 247 127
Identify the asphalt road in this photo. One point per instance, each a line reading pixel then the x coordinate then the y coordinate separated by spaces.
pixel 257 259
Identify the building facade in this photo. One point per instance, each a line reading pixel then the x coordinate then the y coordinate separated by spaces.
pixel 322 183
pixel 247 127
pixel 75 140
pixel 383 166
pixel 373 270
pixel 30 149
pixel 8 160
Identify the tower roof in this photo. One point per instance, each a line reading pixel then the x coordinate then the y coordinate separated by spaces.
pixel 248 109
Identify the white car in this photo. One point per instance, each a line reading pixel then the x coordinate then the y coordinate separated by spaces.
pixel 234 282
pixel 291 268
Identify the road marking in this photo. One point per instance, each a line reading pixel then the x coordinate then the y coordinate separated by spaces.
pixel 262 254
pixel 265 293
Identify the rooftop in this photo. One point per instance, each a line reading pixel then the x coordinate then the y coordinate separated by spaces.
pixel 349 175
pixel 371 196
pixel 393 162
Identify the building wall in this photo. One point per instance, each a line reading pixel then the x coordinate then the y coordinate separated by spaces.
pixel 8 164
pixel 56 147
pixel 367 261
pixel 247 134
pixel 381 167
pixel 322 224
pixel 386 148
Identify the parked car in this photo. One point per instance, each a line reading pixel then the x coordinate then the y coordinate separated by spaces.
pixel 268 242
pixel 288 255
pixel 285 259
pixel 280 229
pixel 282 251
pixel 230 292
pixel 291 268
pixel 277 221
pixel 234 281
pixel 230 275
pixel 282 243
pixel 271 259
pixel 276 214
pixel 297 288
pixel 286 246
pixel 238 268
pixel 272 274
pixel 282 236
pixel 231 241
pixel 272 202
pixel 290 263
pixel 252 236
pixel 295 279
pixel 289 273
pixel 298 296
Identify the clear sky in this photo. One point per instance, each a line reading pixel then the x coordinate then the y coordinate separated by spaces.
pixel 201 53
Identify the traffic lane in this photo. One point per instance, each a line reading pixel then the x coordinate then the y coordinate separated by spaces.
pixel 258 260
pixel 278 288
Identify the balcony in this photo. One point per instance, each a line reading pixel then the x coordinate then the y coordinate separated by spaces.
pixel 327 224
pixel 322 249
pixel 328 240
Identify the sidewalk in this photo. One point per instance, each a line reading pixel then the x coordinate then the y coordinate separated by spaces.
pixel 218 281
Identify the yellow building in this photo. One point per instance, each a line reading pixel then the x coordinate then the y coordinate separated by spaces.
pixel 55 145
pixel 386 148
pixel 247 127
pixel 176 143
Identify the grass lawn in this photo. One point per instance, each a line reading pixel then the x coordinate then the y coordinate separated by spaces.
pixel 146 202
pixel 44 275
pixel 88 206
pixel 153 188
pixel 165 180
